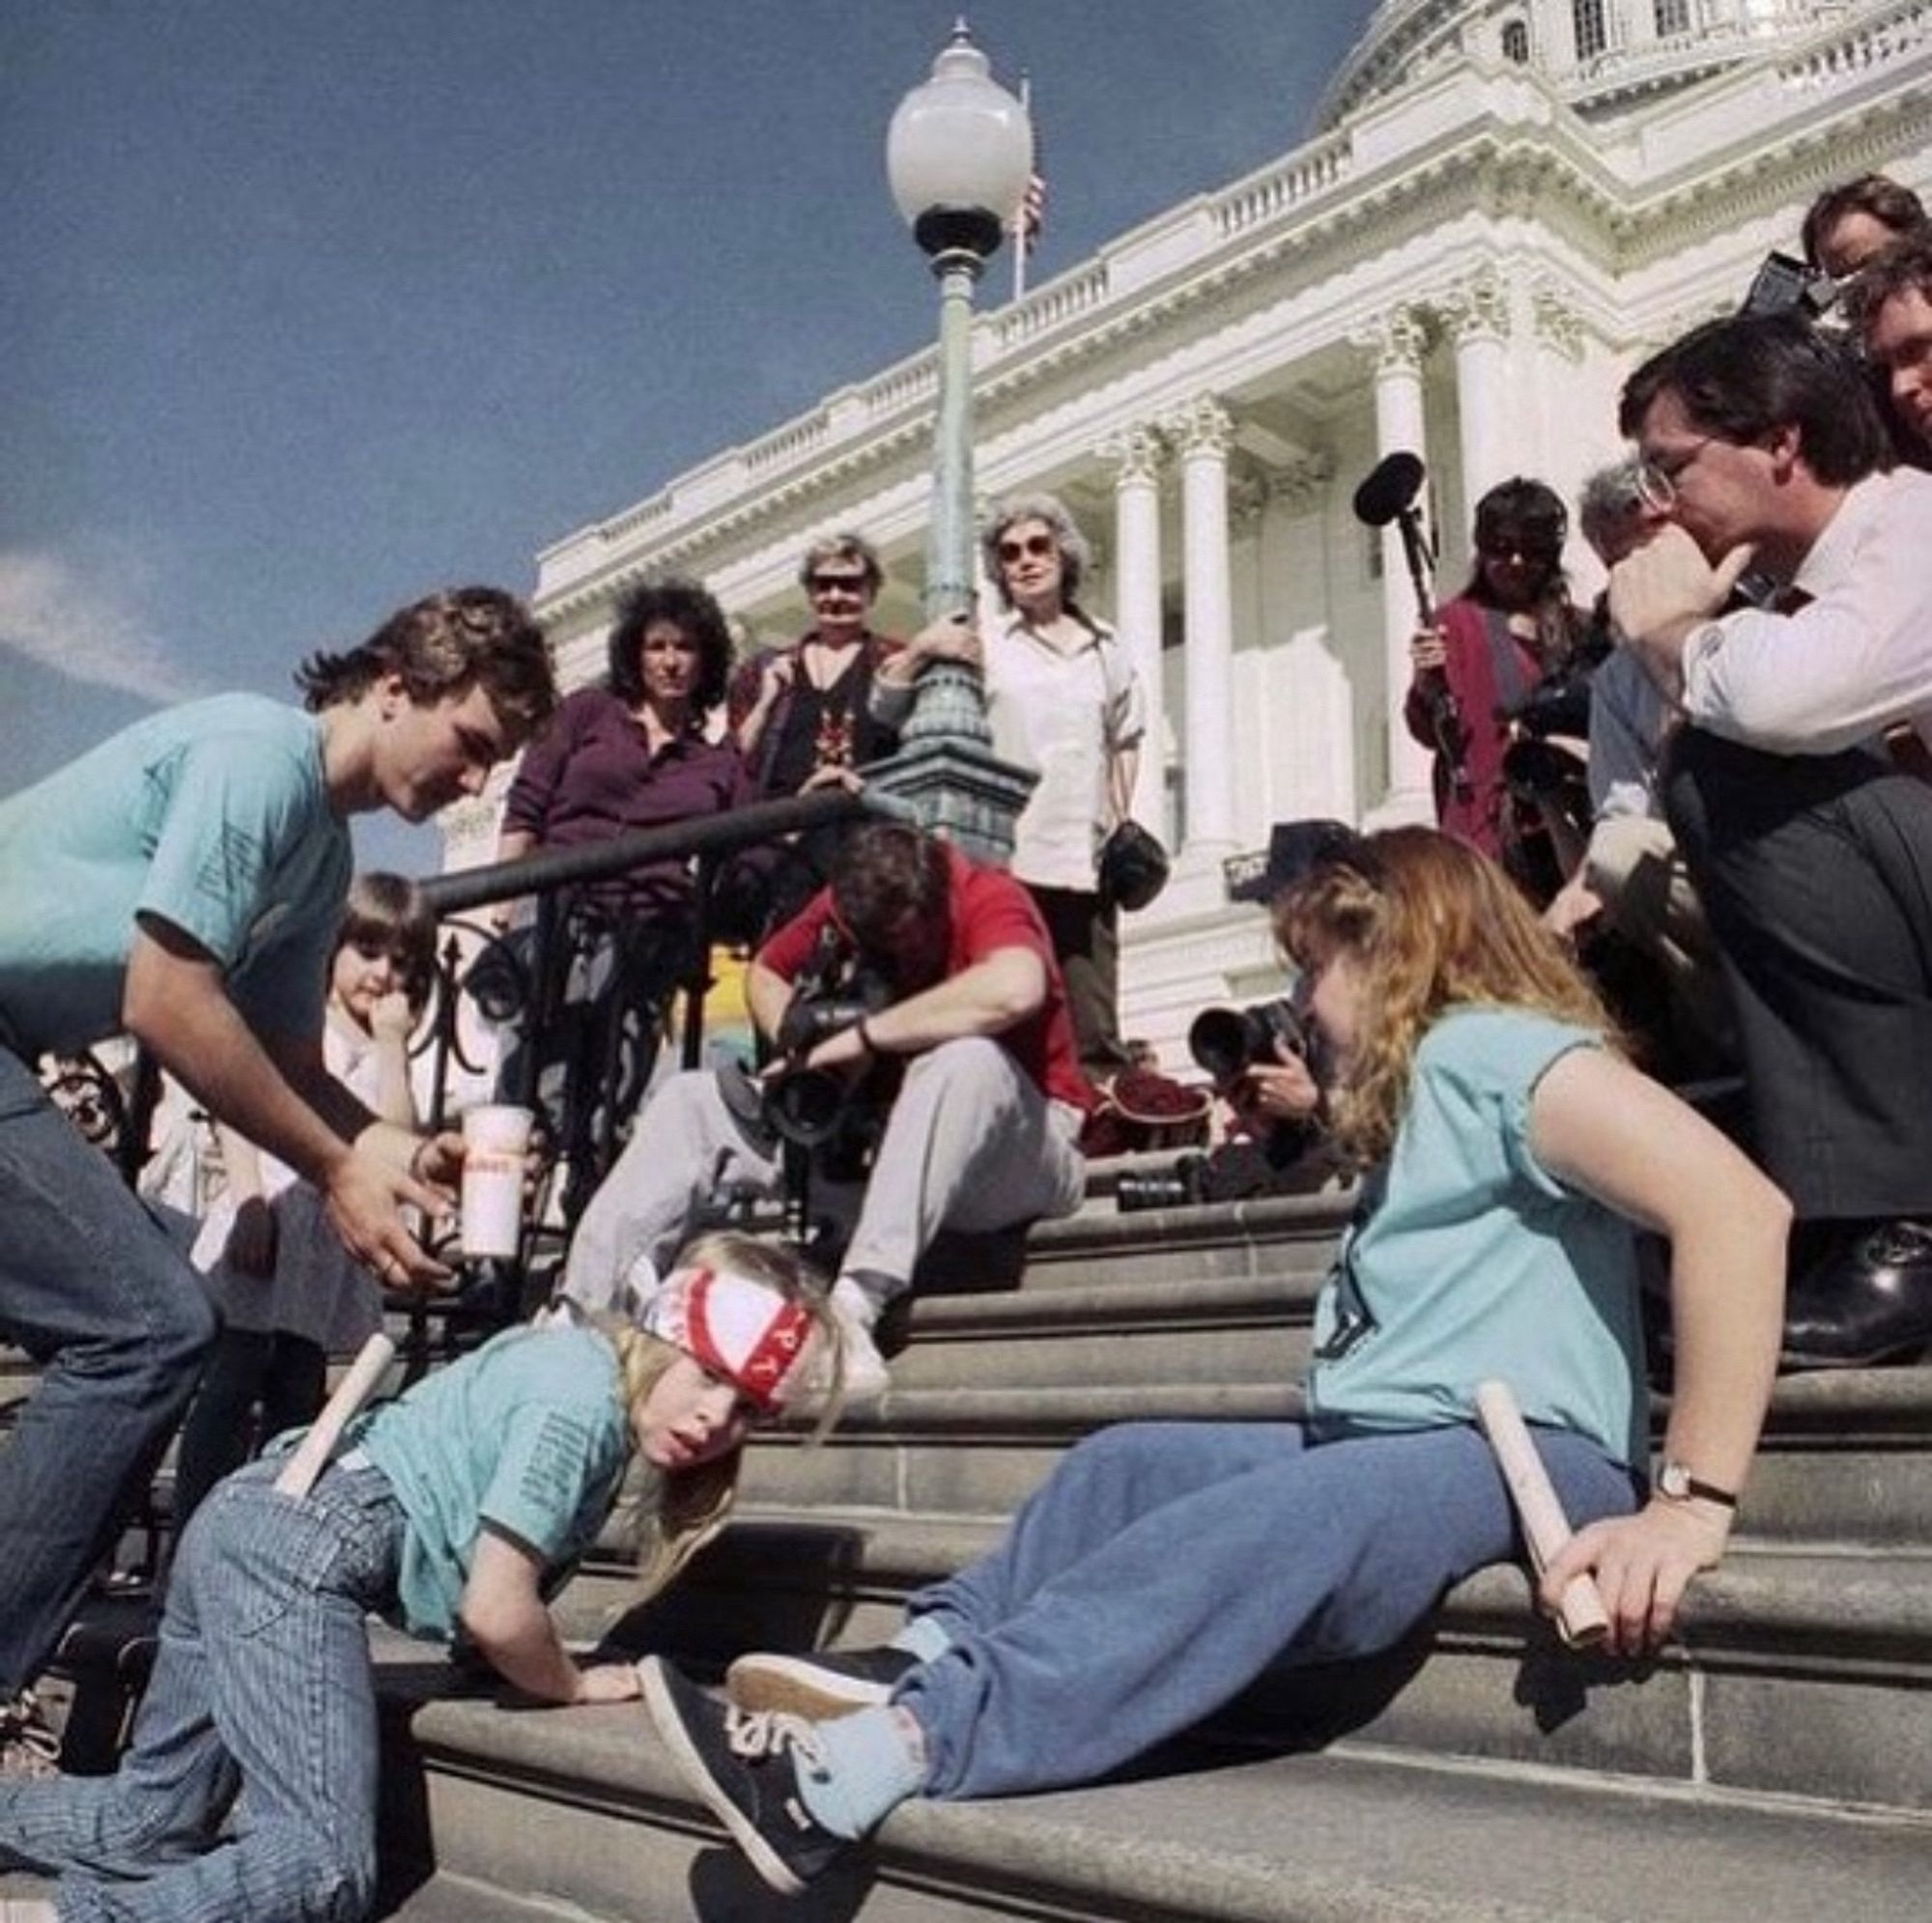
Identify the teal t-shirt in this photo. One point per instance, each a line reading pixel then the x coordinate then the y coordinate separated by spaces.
pixel 214 817
pixel 1469 1260
pixel 530 1434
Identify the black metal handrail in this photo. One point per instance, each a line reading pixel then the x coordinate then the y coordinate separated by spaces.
pixel 498 1289
pixel 547 870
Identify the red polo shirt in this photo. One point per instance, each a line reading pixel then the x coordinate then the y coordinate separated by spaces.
pixel 989 911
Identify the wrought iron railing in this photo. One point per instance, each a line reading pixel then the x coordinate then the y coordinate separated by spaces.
pixel 116 1112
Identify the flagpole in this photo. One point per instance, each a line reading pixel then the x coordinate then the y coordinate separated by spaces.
pixel 1020 215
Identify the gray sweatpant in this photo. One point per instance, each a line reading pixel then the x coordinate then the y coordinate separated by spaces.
pixel 971 1143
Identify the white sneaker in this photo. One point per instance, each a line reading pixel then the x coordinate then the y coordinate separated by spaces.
pixel 865 1377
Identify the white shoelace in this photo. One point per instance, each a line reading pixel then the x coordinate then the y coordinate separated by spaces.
pixel 761 1735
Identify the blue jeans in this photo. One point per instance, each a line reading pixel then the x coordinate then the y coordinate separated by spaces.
pixel 1163 1565
pixel 261 1683
pixel 91 1287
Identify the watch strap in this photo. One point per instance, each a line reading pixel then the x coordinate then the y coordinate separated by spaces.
pixel 1676 1484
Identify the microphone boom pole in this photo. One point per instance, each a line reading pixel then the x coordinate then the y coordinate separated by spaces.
pixel 1389 494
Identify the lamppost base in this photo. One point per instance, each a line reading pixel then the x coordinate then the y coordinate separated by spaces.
pixel 960 792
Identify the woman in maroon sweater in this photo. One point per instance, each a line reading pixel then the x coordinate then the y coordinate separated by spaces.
pixel 1511 628
pixel 629 753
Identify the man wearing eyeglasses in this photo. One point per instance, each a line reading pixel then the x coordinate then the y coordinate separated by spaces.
pixel 802 714
pixel 1810 845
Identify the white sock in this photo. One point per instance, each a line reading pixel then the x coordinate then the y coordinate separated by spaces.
pixel 855 1302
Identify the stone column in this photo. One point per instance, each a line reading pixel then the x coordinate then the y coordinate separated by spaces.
pixel 1135 454
pixel 1201 431
pixel 1397 341
pixel 1475 314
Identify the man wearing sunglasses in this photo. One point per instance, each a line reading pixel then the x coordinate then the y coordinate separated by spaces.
pixel 1809 844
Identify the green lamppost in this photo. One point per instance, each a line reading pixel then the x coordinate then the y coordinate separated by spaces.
pixel 958 154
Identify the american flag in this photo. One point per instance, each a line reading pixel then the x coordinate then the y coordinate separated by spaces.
pixel 1030 222
pixel 1030 218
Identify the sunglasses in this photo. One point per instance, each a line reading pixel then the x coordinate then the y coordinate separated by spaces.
pixel 835 583
pixel 1537 554
pixel 1036 547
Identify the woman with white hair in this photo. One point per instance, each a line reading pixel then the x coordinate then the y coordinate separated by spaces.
pixel 1062 698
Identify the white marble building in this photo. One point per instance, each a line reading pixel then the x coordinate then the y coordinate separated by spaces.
pixel 1502 206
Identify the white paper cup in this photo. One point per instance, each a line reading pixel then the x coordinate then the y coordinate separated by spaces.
pixel 495 1138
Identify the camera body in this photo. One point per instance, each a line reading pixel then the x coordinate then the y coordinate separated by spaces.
pixel 1226 1042
pixel 817 1107
pixel 1784 285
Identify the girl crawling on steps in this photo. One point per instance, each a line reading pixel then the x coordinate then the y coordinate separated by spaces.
pixel 450 1509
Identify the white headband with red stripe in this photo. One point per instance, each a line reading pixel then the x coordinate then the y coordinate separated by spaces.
pixel 742 1330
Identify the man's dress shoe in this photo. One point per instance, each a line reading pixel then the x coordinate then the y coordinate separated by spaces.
pixel 1868 1301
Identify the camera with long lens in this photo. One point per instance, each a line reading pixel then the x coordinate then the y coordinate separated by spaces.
pixel 1228 1043
pixel 811 1105
pixel 836 1116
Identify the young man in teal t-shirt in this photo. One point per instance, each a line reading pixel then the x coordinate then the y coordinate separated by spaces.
pixel 181 884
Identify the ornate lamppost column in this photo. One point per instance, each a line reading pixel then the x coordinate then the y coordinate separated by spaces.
pixel 958 154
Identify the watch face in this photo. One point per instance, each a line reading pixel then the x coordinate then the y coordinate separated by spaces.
pixel 1674 1480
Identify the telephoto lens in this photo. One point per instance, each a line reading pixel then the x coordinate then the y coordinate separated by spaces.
pixel 1226 1042
pixel 1181 1186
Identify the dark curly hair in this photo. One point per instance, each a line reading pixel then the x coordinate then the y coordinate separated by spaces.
pixel 694 614
pixel 1888 202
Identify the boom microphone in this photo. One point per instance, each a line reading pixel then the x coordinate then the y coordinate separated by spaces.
pixel 1392 485
pixel 1388 494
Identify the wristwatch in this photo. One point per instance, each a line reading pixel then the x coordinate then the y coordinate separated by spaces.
pixel 1676 1484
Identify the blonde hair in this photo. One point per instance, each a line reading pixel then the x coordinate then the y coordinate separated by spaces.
pixel 692 1505
pixel 1429 924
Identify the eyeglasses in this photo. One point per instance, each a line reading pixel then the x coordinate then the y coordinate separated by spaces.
pixel 1534 555
pixel 1656 475
pixel 834 584
pixel 1036 547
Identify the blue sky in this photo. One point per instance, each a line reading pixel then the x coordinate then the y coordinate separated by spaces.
pixel 309 309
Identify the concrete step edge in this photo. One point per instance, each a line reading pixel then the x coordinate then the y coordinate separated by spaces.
pixel 1303 1825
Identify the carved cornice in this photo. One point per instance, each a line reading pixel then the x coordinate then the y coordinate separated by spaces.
pixel 1199 428
pixel 1395 341
pixel 1302 480
pixel 1549 169
pixel 1556 319
pixel 1476 308
pixel 1250 488
pixel 1135 454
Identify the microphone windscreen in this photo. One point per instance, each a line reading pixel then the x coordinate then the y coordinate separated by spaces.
pixel 1392 485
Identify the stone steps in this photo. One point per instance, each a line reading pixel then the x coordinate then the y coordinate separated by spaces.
pixel 581 1807
pixel 1792 1668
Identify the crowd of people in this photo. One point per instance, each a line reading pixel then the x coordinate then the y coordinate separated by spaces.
pixel 1718 770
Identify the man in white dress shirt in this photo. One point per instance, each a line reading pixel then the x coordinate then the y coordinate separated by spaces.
pixel 1809 845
